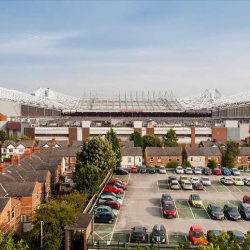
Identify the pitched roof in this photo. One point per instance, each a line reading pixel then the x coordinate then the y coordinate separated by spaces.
pixel 207 143
pixel 167 151
pixel 133 151
pixel 194 151
pixel 3 203
pixel 62 152
pixel 77 144
pixel 129 144
pixel 245 151
pixel 25 143
pixel 61 144
pixel 20 189
pixel 203 151
pixel 211 151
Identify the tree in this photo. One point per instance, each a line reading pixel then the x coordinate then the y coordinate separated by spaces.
pixel 230 154
pixel 137 139
pixel 186 164
pixel 212 164
pixel 3 135
pixel 7 242
pixel 172 164
pixel 170 139
pixel 111 136
pixel 24 138
pixel 150 141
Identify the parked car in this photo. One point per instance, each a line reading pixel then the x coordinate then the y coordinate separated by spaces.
pixel 236 235
pixel 194 179
pixel 104 217
pixel 197 171
pixel 188 171
pixel 246 181
pixel 113 189
pixel 115 180
pixel 198 186
pixel 225 171
pixel 119 185
pixel 174 184
pixel 187 185
pixel 195 233
pixel 215 212
pixel 183 178
pixel 113 204
pixel 195 200
pixel 166 197
pixel 138 234
pixel 179 170
pixel 231 212
pixel 246 199
pixel 120 171
pixel 211 234
pixel 158 234
pixel 143 170
pixel 169 209
pixel 134 170
pixel 238 181
pixel 113 194
pixel 217 171
pixel 244 210
pixel 207 171
pixel 104 198
pixel 226 181
pixel 162 170
pixel 235 171
pixel 205 181
pixel 103 208
pixel 152 170
pixel 171 178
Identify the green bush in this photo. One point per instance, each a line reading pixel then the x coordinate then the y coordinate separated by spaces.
pixel 211 164
pixel 172 164
pixel 241 167
pixel 7 159
pixel 186 164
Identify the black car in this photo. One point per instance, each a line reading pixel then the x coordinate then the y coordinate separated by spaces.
pixel 143 170
pixel 212 234
pixel 238 236
pixel 138 234
pixel 244 210
pixel 158 234
pixel 120 171
pixel 231 212
pixel 166 197
pixel 104 217
pixel 119 185
pixel 152 170
pixel 207 171
pixel 215 212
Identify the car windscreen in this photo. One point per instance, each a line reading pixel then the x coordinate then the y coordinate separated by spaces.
pixel 196 198
pixel 232 210
pixel 169 207
pixel 216 209
pixel 247 210
pixel 198 234
pixel 187 184
pixel 205 179
pixel 137 234
pixel 162 168
pixel 158 233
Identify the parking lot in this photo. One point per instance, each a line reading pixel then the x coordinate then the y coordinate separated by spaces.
pixel 142 207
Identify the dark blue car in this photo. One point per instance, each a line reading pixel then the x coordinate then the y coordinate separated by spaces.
pixel 104 217
pixel 211 234
pixel 225 171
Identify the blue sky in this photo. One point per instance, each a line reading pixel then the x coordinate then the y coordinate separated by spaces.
pixel 107 46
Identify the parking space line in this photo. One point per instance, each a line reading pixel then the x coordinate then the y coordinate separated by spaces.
pixel 206 212
pixel 158 186
pixel 190 209
pixel 167 238
pixel 99 236
pixel 186 237
pixel 161 209
pixel 176 210
pixel 238 189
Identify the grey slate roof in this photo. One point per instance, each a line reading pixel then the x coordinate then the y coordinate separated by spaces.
pixel 61 144
pixel 77 144
pixel 25 143
pixel 128 144
pixel 62 152
pixel 211 151
pixel 194 151
pixel 167 151
pixel 21 189
pixel 207 143
pixel 245 151
pixel 3 203
pixel 133 151
pixel 203 151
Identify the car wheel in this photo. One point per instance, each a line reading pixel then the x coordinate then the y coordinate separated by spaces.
pixel 110 222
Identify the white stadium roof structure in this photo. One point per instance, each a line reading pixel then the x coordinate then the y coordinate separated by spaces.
pixel 124 102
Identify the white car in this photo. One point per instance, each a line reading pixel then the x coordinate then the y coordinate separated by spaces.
pixel 187 185
pixel 174 184
pixel 194 180
pixel 197 171
pixel 162 170
pixel 188 171
pixel 235 171
pixel 205 181
pixel 179 170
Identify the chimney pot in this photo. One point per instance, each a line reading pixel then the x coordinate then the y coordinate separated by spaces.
pixel 53 142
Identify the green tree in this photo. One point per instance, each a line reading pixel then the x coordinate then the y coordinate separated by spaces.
pixel 137 139
pixel 24 138
pixel 170 139
pixel 172 164
pixel 230 154
pixel 3 135
pixel 212 164
pixel 7 242
pixel 186 164
pixel 150 141
pixel 111 136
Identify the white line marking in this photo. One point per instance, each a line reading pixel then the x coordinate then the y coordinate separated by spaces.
pixel 186 237
pixel 227 188
pixel 99 236
pixel 129 238
pixel 161 210
pixel 238 189
pixel 190 209
pixel 167 238
pixel 157 186
pixel 176 210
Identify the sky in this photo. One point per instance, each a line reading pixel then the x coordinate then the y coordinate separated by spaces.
pixel 105 47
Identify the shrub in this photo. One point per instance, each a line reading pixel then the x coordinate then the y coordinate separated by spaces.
pixel 186 164
pixel 211 164
pixel 172 164
pixel 241 167
pixel 7 159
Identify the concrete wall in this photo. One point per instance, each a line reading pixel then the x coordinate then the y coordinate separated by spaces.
pixel 244 131
pixel 231 124
pixel 3 125
pixel 197 161
pixel 233 134
pixel 10 108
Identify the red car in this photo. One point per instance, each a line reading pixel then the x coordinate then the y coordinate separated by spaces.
pixel 113 204
pixel 117 180
pixel 246 199
pixel 169 210
pixel 198 186
pixel 217 171
pixel 134 170
pixel 113 189
pixel 195 233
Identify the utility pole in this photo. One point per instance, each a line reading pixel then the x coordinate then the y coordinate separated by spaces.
pixel 41 234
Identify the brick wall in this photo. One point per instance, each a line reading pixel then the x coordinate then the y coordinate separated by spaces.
pixel 164 160
pixel 242 161
pixel 85 134
pixel 216 158
pixel 150 131
pixel 138 130
pixel 72 135
pixel 219 134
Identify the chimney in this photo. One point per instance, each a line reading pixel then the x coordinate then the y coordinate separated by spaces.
pixel 87 141
pixel 27 153
pixel 36 149
pixel 162 145
pixel 1 167
pixel 16 160
pixel 53 142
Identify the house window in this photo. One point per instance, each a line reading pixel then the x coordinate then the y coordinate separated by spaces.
pixel 11 151
pixel 139 159
pixel 159 159
pixel 8 217
pixel 20 150
pixel 248 159
pixel 218 159
pixel 4 150
pixel 209 158
pixel 178 159
pixel 24 218
pixel 239 159
pixel 13 213
pixel 170 159
pixel 37 195
pixel 129 159
pixel 199 159
pixel 151 159
pixel 191 159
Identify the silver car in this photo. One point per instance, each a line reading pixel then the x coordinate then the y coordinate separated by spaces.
pixel 197 171
pixel 235 171
pixel 205 181
pixel 174 184
pixel 187 185
pixel 194 179
pixel 246 181
pixel 179 170
pixel 162 170
pixel 188 171
pixel 226 181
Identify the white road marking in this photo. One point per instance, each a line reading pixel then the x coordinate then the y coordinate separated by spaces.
pixel 190 209
pixel 167 238
pixel 176 210
pixel 161 210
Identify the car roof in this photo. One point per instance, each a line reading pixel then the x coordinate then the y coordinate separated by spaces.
pixel 138 229
pixel 245 205
pixel 216 232
pixel 215 205
pixel 158 227
pixel 231 205
pixel 237 233
pixel 197 228
pixel 111 202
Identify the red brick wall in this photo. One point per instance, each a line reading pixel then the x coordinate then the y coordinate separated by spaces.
pixel 30 132
pixel 150 131
pixel 164 160
pixel 216 158
pixel 85 134
pixel 138 130
pixel 193 144
pixel 72 135
pixel 243 161
pixel 219 134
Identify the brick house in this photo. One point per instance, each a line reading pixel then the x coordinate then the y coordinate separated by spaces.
pixel 53 144
pixel 243 158
pixel 28 193
pixel 10 215
pixel 212 153
pixel 131 156
pixel 157 156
